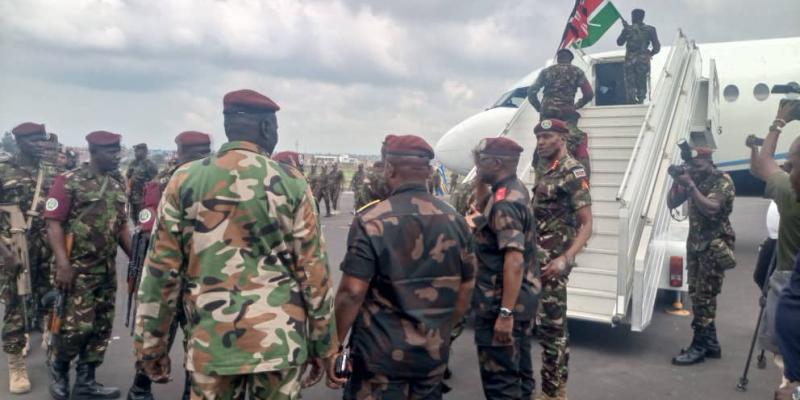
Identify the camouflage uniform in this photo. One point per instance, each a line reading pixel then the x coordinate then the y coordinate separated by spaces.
pixel 637 38
pixel 415 251
pixel 507 223
pixel 323 190
pixel 242 231
pixel 463 195
pixel 709 248
pixel 562 188
pixel 17 185
pixel 138 174
pixel 356 184
pixel 374 187
pixel 92 208
pixel 335 182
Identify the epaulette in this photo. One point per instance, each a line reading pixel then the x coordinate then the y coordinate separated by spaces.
pixel 368 205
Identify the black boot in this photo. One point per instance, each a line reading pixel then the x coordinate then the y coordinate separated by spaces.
pixel 187 387
pixel 86 388
pixel 696 353
pixel 59 380
pixel 140 390
pixel 713 349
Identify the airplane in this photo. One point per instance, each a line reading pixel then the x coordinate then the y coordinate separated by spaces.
pixel 746 70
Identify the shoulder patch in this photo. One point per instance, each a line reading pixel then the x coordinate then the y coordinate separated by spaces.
pixel 145 215
pixel 368 205
pixel 579 173
pixel 51 204
pixel 501 194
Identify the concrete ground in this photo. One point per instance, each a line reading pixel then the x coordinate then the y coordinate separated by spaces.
pixel 606 363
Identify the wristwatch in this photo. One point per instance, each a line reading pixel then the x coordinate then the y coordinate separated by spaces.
pixel 506 312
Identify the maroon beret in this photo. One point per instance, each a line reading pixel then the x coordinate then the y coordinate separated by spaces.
pixel 551 125
pixel 29 128
pixel 191 138
pixel 703 152
pixel 407 145
pixel 249 102
pixel 103 138
pixel 499 146
pixel 287 157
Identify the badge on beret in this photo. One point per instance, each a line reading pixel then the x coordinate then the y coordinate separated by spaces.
pixel 546 124
pixel 145 215
pixel 579 173
pixel 51 204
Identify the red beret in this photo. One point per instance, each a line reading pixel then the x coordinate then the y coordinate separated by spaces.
pixel 287 157
pixel 103 138
pixel 190 138
pixel 499 146
pixel 28 128
pixel 703 152
pixel 551 125
pixel 248 101
pixel 407 145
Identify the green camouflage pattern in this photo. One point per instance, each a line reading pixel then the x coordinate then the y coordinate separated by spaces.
pixel 637 37
pixel 366 385
pixel 703 229
pixel 706 271
pixel 139 172
pixel 374 187
pixel 562 188
pixel 506 371
pixel 356 185
pixel 284 384
pixel 88 319
pixel 165 174
pixel 335 183
pixel 463 196
pixel 415 251
pixel 560 82
pixel 17 185
pixel 242 233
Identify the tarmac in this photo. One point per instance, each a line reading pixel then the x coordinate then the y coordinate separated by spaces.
pixel 605 362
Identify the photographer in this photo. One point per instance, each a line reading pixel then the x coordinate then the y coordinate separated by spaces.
pixel 709 247
pixel 780 188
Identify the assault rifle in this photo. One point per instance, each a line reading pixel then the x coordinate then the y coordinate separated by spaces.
pixel 19 246
pixel 139 244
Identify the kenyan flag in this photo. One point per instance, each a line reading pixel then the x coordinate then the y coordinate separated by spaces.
pixel 590 19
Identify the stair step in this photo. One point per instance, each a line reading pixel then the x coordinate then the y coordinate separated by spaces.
pixel 593 279
pixel 616 163
pixel 604 240
pixel 628 109
pixel 620 152
pixel 606 207
pixel 607 222
pixel 616 131
pixel 602 178
pixel 597 259
pixel 604 192
pixel 605 317
pixel 611 141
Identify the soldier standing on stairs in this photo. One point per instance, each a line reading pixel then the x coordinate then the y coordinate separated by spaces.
pixel 637 38
pixel 709 247
pixel 559 83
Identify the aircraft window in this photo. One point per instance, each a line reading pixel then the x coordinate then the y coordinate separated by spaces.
pixel 761 91
pixel 731 93
pixel 512 99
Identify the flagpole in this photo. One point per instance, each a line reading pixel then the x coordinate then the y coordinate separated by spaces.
pixel 566 27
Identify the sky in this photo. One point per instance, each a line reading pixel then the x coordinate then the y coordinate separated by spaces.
pixel 345 73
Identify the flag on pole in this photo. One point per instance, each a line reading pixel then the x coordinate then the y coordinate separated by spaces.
pixel 589 21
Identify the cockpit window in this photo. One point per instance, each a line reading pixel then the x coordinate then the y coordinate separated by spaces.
pixel 512 99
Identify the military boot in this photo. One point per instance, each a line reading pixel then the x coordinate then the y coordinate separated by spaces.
pixel 713 349
pixel 59 380
pixel 87 388
pixel 18 381
pixel 140 390
pixel 696 353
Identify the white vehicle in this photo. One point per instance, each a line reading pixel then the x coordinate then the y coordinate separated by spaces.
pixel 636 247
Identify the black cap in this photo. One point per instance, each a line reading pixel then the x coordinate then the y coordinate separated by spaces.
pixel 564 53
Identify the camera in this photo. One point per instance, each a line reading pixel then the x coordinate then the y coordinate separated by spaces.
pixel 753 140
pixel 791 87
pixel 686 155
pixel 340 365
pixel 676 170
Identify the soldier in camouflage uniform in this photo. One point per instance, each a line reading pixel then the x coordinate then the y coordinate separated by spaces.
pixel 709 247
pixel 18 180
pixel 323 190
pixel 507 283
pixel 88 205
pixel 356 184
pixel 140 171
pixel 562 205
pixel 242 232
pixel 641 44
pixel 374 187
pixel 289 158
pixel 409 269
pixel 191 146
pixel 335 184
pixel 560 82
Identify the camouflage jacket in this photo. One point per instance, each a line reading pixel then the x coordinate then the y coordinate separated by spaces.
pixel 638 38
pixel 336 179
pixel 357 181
pixel 507 223
pixel 463 195
pixel 702 228
pixel 560 82
pixel 92 208
pixel 152 195
pixel 560 191
pixel 415 251
pixel 139 173
pixel 374 187
pixel 241 232
pixel 17 186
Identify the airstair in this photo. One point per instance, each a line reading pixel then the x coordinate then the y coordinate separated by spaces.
pixel 620 271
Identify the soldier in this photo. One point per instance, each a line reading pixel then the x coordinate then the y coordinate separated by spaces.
pixel 507 283
pixel 355 185
pixel 191 146
pixel 641 44
pixel 86 220
pixel 560 81
pixel 374 187
pixel 709 247
pixel 140 171
pixel 289 158
pixel 409 270
pixel 242 233
pixel 322 191
pixel 335 183
pixel 24 181
pixel 562 205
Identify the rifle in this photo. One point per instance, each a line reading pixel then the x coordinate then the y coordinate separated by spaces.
pixel 139 245
pixel 19 245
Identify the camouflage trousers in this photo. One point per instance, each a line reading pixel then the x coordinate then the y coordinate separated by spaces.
pixel 706 274
pixel 636 76
pixel 506 370
pixel 283 384
pixel 551 320
pixel 13 332
pixel 334 195
pixel 369 386
pixel 134 206
pixel 324 195
pixel 88 319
